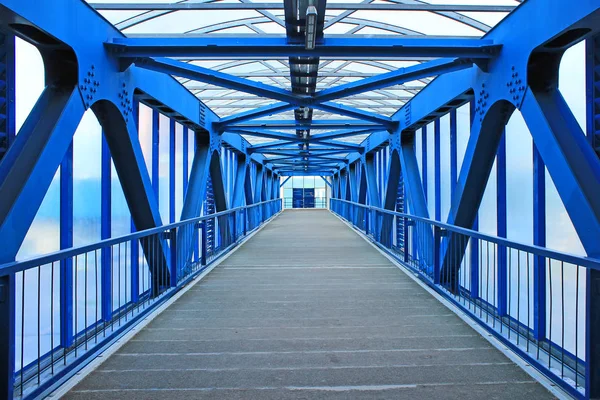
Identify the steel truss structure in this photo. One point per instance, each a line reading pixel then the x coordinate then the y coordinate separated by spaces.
pixel 253 87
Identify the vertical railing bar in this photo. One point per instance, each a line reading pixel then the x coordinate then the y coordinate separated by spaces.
pixel 551 312
pixel 487 281
pixel 23 332
pixel 76 306
pixel 85 323
pixel 528 341
pixel 562 319
pixel 39 322
pixel 510 253
pixel 119 283
pixel 519 294
pixel 52 318
pixel 480 275
pixel 126 285
pixel 496 294
pixel 96 322
pixel 577 327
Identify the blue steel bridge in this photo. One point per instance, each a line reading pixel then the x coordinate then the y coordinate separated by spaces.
pixel 149 152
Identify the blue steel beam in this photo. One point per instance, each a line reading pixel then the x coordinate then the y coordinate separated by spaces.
pixel 200 74
pixel 570 160
pixel 371 175
pixel 278 143
pixel 324 180
pixel 7 91
pixel 268 110
pixel 7 282
pixel 329 124
pixel 263 133
pixel 342 133
pixel 286 180
pixel 352 112
pixel 239 185
pixel 314 145
pixel 197 73
pixel 390 197
pixel 353 183
pixel 371 143
pixel 303 173
pixel 399 76
pixel 265 47
pixel 28 168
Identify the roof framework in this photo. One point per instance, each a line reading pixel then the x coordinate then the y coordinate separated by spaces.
pixel 262 44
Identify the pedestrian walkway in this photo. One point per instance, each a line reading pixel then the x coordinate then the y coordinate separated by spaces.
pixel 307 309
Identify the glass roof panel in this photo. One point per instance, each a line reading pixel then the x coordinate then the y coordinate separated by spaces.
pixel 342 18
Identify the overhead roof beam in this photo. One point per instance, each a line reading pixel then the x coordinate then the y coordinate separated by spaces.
pixel 280 6
pixel 284 124
pixel 341 109
pixel 256 113
pixel 261 46
pixel 402 75
pixel 263 134
pixel 194 72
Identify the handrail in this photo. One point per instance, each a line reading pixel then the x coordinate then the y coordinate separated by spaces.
pixel 105 287
pixel 587 262
pixel 19 266
pixel 505 286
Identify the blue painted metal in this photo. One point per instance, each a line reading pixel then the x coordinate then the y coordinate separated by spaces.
pixel 197 73
pixel 172 176
pixel 371 178
pixel 106 232
pixel 437 170
pixel 7 91
pixel 134 253
pixel 453 154
pixel 357 113
pixel 28 167
pixel 271 109
pixel 569 159
pixel 402 75
pixel 470 306
pixel 239 186
pixel 155 151
pixel 539 239
pixel 7 282
pixel 330 124
pixel 592 296
pixel 185 161
pixel 331 46
pixel 501 228
pixel 66 241
pixel 424 161
pixel 522 75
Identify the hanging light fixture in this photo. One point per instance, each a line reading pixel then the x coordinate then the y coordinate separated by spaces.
pixel 311 27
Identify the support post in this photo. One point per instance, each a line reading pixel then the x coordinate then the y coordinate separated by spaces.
pixel 7 282
pixel 502 272
pixel 66 241
pixel 539 239
pixel 172 176
pixel 173 254
pixel 593 276
pixel 105 231
pixel 437 241
pixel 438 170
pixel 203 244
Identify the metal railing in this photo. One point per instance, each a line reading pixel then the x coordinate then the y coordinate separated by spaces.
pixel 317 202
pixel 70 305
pixel 531 298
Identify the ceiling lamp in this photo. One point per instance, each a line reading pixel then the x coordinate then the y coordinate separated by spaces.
pixel 311 27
